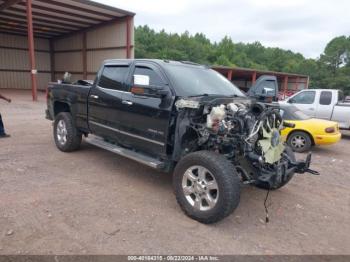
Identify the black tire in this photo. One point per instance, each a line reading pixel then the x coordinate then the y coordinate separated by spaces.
pixel 283 182
pixel 226 178
pixel 303 137
pixel 73 136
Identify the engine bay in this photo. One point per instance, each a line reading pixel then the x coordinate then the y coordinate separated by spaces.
pixel 246 132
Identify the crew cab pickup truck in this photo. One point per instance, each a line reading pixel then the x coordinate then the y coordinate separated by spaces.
pixel 180 117
pixel 326 104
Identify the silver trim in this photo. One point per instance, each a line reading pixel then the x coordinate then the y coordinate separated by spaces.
pixel 126 133
pixel 113 90
pixel 143 159
pixel 127 102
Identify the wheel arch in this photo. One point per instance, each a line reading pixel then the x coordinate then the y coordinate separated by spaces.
pixel 59 107
pixel 304 131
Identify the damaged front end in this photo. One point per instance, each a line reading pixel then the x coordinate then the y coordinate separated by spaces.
pixel 247 133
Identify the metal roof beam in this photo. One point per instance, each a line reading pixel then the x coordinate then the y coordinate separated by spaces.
pixel 42 20
pixel 47 27
pixel 67 13
pixel 54 15
pixel 81 9
pixel 11 32
pixel 25 30
pixel 8 4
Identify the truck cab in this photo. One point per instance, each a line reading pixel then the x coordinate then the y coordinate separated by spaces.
pixel 323 104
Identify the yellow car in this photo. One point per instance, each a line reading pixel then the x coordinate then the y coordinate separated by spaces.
pixel 307 131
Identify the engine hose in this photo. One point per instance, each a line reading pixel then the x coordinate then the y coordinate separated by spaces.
pixel 240 124
pixel 268 123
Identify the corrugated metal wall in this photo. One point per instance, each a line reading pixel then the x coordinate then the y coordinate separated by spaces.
pixel 14 65
pixel 68 56
pixel 104 42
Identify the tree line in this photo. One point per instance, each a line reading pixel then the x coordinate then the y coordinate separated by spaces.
pixel 330 70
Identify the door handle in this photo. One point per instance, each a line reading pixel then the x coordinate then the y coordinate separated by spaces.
pixel 94 96
pixel 127 102
pixel 312 109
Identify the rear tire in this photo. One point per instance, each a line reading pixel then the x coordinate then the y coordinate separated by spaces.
pixel 207 186
pixel 299 141
pixel 67 136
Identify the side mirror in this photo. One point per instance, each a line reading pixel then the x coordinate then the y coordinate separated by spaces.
pixel 265 89
pixel 150 91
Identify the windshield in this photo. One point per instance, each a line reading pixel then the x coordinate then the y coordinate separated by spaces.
pixel 293 113
pixel 196 81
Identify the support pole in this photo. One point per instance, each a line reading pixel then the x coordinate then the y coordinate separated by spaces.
pixel 84 56
pixel 33 70
pixel 52 60
pixel 229 75
pixel 254 78
pixel 296 85
pixel 128 37
pixel 285 86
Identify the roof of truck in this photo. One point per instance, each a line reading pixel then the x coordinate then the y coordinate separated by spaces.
pixel 157 61
pixel 319 89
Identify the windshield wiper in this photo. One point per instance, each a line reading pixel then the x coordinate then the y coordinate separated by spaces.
pixel 205 94
pixel 222 95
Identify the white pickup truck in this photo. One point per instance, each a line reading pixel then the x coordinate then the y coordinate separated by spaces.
pixel 324 104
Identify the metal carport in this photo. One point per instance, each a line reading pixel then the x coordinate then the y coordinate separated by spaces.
pixel 244 78
pixel 41 39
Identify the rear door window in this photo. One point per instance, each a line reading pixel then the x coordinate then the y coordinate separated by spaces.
pixel 340 96
pixel 325 98
pixel 113 77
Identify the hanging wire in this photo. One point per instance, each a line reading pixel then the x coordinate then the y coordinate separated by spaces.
pixel 266 210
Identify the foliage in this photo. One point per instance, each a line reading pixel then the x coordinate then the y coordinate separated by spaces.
pixel 331 70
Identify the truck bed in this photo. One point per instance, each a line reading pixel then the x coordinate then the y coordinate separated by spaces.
pixel 341 114
pixel 77 97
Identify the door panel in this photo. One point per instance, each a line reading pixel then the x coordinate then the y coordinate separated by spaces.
pixel 324 105
pixel 105 110
pixel 305 101
pixel 147 118
pixel 105 102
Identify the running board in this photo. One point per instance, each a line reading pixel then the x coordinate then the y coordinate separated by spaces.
pixel 141 158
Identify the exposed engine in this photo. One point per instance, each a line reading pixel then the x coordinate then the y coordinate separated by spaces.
pixel 247 133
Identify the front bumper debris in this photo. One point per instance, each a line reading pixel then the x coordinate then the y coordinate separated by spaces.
pixel 301 167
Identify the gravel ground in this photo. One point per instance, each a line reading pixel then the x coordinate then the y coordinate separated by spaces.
pixel 95 202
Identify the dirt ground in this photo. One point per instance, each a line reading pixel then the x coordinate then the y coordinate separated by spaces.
pixel 95 202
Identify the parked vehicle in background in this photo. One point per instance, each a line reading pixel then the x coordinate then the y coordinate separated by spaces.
pixel 305 131
pixel 347 99
pixel 181 117
pixel 326 104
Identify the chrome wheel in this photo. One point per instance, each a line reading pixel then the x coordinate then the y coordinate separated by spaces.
pixel 200 188
pixel 298 141
pixel 61 132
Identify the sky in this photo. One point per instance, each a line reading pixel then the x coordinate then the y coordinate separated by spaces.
pixel 301 26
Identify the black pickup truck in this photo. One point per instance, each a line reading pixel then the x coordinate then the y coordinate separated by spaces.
pixel 180 117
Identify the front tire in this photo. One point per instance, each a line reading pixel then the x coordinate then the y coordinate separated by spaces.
pixel 207 186
pixel 67 137
pixel 299 141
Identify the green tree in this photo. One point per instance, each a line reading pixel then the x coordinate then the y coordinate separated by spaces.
pixel 337 53
pixel 332 70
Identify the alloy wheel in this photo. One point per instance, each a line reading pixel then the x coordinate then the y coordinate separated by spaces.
pixel 200 188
